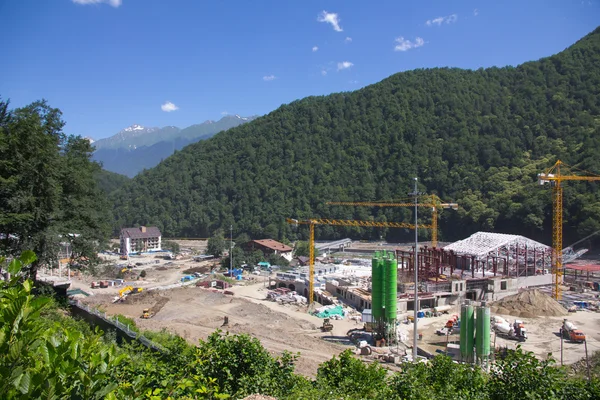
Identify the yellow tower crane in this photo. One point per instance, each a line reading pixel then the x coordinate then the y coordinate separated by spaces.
pixel 555 177
pixel 317 221
pixel 428 201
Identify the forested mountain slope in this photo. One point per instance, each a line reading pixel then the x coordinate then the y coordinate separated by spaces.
pixel 109 181
pixel 476 137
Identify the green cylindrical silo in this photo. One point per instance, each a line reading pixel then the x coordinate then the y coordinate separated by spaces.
pixel 376 288
pixel 391 288
pixel 483 332
pixel 463 331
pixel 471 332
pixel 467 328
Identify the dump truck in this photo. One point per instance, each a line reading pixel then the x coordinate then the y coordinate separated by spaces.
pixel 570 332
pixel 147 314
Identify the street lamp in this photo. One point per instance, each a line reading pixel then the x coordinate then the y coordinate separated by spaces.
pixel 416 195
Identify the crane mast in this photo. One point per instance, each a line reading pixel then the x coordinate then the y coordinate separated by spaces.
pixel 555 177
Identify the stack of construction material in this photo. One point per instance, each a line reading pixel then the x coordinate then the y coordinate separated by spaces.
pixel 286 298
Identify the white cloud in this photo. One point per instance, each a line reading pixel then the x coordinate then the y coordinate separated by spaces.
pixel 323 72
pixel 224 113
pixel 315 48
pixel 268 78
pixel 114 3
pixel 344 65
pixel 475 12
pixel 353 82
pixel 330 18
pixel 348 39
pixel 450 19
pixel 405 44
pixel 168 107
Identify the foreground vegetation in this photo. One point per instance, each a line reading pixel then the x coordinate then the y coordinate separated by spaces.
pixel 46 354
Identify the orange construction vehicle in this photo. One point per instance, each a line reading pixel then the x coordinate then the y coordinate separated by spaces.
pixel 570 332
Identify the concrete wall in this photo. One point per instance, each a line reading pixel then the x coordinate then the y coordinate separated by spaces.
pixel 537 280
pixel 348 296
pixel 300 287
pixel 500 288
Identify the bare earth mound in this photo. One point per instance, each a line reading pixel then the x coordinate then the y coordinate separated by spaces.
pixel 529 304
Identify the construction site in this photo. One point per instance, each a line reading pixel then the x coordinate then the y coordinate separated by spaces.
pixel 470 299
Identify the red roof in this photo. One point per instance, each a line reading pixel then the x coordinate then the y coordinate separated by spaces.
pixel 587 267
pixel 273 245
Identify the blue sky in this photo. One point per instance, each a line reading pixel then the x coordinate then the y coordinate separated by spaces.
pixel 108 64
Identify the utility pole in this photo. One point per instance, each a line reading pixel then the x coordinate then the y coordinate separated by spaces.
pixel 231 251
pixel 587 361
pixel 416 267
pixel 561 346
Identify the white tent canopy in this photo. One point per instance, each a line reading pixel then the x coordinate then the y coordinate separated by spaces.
pixel 482 244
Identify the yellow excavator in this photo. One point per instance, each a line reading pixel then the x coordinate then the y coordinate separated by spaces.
pixel 129 289
pixel 147 314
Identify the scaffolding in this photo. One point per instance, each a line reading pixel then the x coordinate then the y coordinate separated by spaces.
pixel 483 254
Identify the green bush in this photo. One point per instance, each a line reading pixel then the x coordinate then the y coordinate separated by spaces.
pixel 126 321
pixel 46 354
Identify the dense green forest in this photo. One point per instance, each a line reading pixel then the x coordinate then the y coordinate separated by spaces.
pixel 475 137
pixel 49 197
pixel 45 354
pixel 109 181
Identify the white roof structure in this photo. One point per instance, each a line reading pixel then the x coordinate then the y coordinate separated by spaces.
pixel 482 244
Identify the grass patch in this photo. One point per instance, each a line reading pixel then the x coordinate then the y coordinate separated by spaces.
pixel 226 279
pixel 126 321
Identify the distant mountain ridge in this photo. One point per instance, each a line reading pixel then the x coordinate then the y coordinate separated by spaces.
pixel 137 147
pixel 136 136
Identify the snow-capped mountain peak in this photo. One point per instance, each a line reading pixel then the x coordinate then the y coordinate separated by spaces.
pixel 134 127
pixel 242 118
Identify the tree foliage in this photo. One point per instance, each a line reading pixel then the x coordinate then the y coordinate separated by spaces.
pixel 475 137
pixel 172 246
pixel 302 248
pixel 48 194
pixel 44 354
pixel 216 244
pixel 108 181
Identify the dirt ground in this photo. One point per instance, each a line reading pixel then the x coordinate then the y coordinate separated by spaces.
pixel 159 272
pixel 542 333
pixel 195 313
